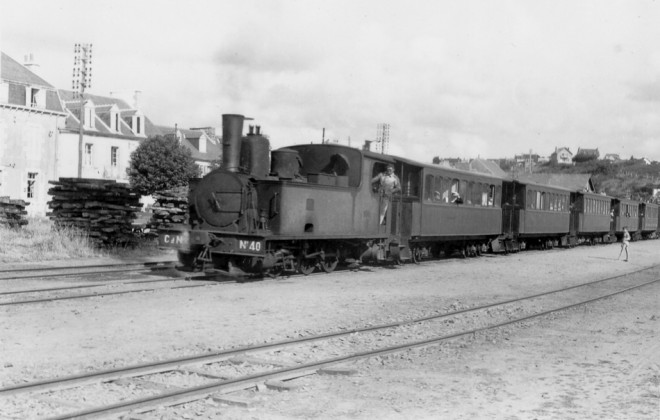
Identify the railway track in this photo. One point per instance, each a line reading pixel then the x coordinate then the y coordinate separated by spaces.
pixel 101 282
pixel 66 271
pixel 214 374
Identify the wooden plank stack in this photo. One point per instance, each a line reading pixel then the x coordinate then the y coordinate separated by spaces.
pixel 12 212
pixel 103 209
pixel 170 207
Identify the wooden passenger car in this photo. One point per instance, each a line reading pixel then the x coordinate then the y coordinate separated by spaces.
pixel 534 214
pixel 625 213
pixel 590 218
pixel 456 210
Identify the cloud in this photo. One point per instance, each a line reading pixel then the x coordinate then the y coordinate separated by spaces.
pixel 646 92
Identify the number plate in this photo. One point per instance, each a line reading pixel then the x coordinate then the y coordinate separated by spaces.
pixel 250 246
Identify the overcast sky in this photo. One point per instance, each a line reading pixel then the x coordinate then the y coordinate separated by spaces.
pixel 452 78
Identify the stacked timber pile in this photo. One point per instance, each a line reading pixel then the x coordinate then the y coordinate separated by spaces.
pixel 103 209
pixel 12 212
pixel 170 207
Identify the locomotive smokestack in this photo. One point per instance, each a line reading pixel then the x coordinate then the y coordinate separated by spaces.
pixel 232 131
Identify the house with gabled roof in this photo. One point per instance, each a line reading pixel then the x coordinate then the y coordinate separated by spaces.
pixel 31 117
pixel 612 157
pixel 205 147
pixel 584 155
pixel 111 130
pixel 562 156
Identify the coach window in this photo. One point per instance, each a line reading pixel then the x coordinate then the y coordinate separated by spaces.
pixel 498 196
pixel 485 193
pixel 463 189
pixel 441 193
pixel 469 193
pixel 428 188
pixel 539 200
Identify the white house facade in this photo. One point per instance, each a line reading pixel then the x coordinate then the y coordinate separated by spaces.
pixel 31 117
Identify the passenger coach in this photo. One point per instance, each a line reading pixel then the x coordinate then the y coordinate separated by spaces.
pixel 533 215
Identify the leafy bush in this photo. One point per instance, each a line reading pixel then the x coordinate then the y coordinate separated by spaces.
pixel 159 164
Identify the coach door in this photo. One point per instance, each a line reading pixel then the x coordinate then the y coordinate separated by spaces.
pixel 575 208
pixel 407 201
pixel 509 213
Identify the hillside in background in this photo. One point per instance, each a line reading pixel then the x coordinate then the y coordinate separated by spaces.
pixel 629 178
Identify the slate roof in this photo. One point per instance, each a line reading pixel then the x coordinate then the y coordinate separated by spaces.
pixel 191 140
pixel 587 152
pixel 102 107
pixel 487 167
pixel 17 76
pixel 573 182
pixel 14 71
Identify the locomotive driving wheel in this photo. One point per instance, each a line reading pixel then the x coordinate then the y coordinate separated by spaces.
pixel 329 264
pixel 416 255
pixel 306 265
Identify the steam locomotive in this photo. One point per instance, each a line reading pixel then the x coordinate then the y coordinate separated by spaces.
pixel 313 206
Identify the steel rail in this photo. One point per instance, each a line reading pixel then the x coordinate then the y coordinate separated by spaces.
pixel 113 283
pixel 231 385
pixel 124 292
pixel 171 364
pixel 84 269
pixel 145 263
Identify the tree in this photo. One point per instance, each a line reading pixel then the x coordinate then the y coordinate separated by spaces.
pixel 159 164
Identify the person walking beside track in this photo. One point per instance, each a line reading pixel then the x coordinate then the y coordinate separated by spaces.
pixel 625 241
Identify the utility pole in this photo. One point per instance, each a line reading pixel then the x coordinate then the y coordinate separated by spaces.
pixel 82 78
pixel 383 137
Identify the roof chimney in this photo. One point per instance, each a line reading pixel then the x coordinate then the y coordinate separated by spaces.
pixel 30 63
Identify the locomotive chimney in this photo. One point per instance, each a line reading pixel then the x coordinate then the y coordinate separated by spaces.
pixel 232 131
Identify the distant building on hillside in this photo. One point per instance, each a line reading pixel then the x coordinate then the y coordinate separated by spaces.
pixel 612 157
pixel 562 156
pixel 585 155
pixel 527 161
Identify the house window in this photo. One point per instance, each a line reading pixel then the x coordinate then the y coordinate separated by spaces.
pixel 138 125
pixel 31 184
pixel 116 122
pixel 34 97
pixel 113 155
pixel 88 154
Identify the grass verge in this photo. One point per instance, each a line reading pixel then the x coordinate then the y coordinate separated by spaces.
pixel 38 241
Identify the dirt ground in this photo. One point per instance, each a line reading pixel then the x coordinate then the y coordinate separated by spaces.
pixel 599 361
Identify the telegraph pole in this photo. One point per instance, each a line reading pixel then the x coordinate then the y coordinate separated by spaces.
pixel 82 78
pixel 383 137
